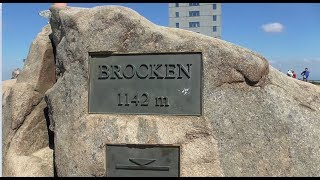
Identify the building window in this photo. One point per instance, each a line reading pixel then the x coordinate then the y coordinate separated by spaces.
pixel 214 17
pixel 177 14
pixel 177 4
pixel 194 13
pixel 214 28
pixel 194 4
pixel 214 6
pixel 177 25
pixel 194 24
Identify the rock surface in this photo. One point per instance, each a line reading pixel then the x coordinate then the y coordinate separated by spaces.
pixel 255 122
pixel 8 85
pixel 25 134
pixel 39 68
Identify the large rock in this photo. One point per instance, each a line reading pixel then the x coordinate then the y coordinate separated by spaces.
pixel 255 122
pixel 25 134
pixel 39 68
pixel 6 85
pixel 28 153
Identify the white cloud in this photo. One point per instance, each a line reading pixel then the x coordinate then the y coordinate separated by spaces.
pixel 272 27
pixel 311 60
pixel 317 59
pixel 306 60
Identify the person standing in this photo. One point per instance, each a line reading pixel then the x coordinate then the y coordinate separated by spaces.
pixel 294 75
pixel 305 74
pixel 15 73
pixel 289 73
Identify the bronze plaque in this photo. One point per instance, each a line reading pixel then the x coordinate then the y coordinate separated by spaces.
pixel 142 161
pixel 168 83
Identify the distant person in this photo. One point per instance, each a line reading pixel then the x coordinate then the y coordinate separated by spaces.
pixel 15 73
pixel 294 75
pixel 305 75
pixel 289 73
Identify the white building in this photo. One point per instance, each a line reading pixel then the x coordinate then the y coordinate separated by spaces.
pixel 204 18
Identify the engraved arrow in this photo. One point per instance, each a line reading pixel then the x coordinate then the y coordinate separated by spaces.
pixel 141 164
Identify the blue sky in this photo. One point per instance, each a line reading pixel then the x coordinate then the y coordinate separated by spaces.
pixel 288 35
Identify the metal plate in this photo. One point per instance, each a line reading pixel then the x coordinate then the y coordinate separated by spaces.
pixel 146 83
pixel 142 161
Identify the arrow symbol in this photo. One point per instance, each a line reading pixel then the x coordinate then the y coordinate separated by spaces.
pixel 141 162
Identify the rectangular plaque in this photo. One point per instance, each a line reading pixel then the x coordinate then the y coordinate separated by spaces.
pixel 168 83
pixel 142 161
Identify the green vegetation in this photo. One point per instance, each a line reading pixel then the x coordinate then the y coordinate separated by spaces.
pixel 315 82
